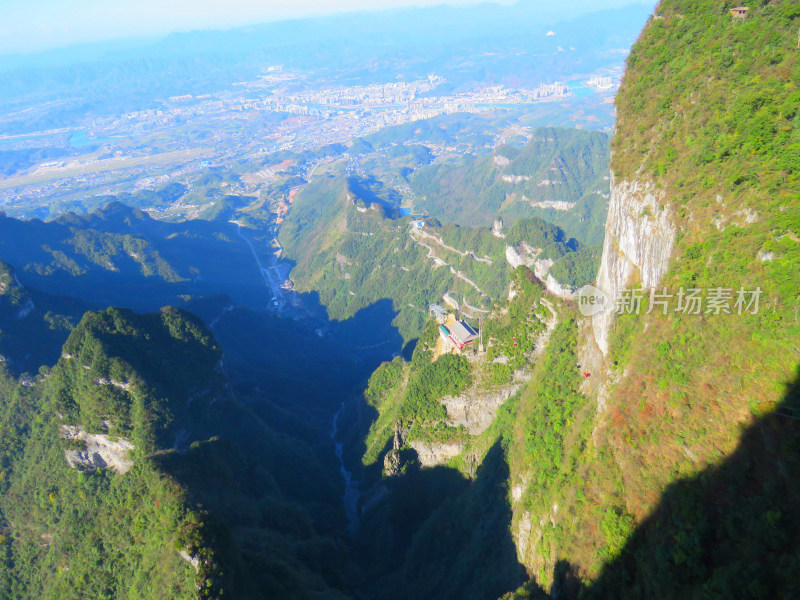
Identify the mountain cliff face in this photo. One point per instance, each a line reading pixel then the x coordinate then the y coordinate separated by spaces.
pixel 704 201
pixel 640 234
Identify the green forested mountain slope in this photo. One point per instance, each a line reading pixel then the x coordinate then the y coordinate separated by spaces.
pixel 350 252
pixel 556 165
pixel 585 221
pixel 98 534
pixel 469 168
pixel 205 475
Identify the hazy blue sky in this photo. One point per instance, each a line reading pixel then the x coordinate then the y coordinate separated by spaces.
pixel 33 25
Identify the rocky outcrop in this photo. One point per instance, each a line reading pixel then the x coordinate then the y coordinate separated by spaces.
pixel 392 464
pixel 497 229
pixel 475 412
pixel 559 289
pixel 122 385
pixel 193 560
pixel 522 537
pixel 516 257
pixel 393 461
pixel 554 204
pixel 98 451
pixel 639 239
pixel 501 161
pixel 431 454
pixel 528 256
pixel 527 535
pixel 515 178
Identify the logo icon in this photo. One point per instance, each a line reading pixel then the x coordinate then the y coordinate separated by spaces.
pixel 592 300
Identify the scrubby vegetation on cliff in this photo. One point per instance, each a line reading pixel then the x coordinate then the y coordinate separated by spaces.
pixel 708 118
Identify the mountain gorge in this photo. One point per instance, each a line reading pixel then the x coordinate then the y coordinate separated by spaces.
pixel 338 437
pixel 136 458
pixel 351 242
pixel 355 255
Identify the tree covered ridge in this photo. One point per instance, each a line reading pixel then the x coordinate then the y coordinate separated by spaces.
pixel 91 532
pixel 211 495
pixel 555 165
pixel 135 371
pixel 119 251
pixel 712 102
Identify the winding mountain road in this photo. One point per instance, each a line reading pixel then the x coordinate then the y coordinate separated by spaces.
pixel 441 262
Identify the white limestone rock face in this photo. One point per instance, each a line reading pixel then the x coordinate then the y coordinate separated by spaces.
pixel 476 412
pixel 523 537
pixel 431 454
pixel 513 257
pixel 559 289
pixel 640 235
pixel 501 161
pixel 99 451
pixel 193 560
pixel 554 204
pixel 542 266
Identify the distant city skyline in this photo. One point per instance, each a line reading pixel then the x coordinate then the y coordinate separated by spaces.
pixel 29 27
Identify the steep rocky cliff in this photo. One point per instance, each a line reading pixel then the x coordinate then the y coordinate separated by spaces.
pixel 640 234
pixel 476 411
pixel 527 255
